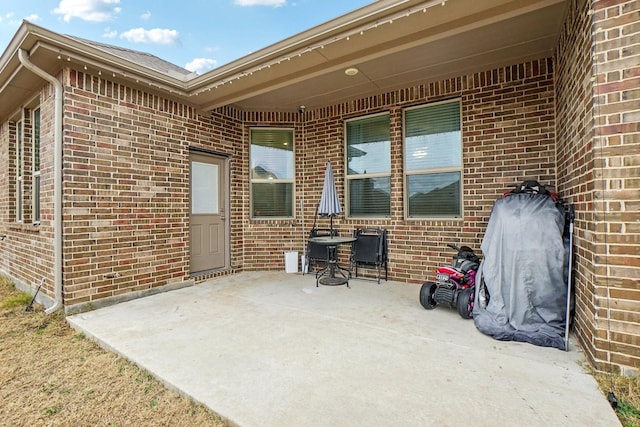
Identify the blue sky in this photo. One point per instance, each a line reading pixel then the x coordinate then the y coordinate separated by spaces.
pixel 195 34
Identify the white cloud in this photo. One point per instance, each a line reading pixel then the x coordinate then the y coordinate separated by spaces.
pixel 146 15
pixel 155 35
pixel 10 18
pixel 32 18
pixel 7 16
pixel 272 3
pixel 200 65
pixel 109 33
pixel 87 10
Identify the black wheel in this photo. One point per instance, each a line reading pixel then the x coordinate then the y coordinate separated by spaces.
pixel 465 303
pixel 426 295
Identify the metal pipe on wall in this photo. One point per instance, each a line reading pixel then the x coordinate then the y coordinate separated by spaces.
pixel 23 56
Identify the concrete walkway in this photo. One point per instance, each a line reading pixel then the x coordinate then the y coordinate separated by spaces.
pixel 271 349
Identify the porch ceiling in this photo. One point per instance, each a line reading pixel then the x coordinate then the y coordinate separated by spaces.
pixel 392 43
pixel 460 37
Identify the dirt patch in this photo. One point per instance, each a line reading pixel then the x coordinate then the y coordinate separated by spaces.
pixel 52 375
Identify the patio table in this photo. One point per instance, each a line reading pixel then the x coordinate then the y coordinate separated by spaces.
pixel 327 276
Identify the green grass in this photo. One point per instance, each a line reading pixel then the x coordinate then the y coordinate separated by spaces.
pixel 17 300
pixel 628 414
pixel 20 299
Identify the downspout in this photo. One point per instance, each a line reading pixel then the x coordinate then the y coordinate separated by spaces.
pixel 23 56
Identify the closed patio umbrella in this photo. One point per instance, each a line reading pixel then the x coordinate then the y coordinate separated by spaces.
pixel 329 203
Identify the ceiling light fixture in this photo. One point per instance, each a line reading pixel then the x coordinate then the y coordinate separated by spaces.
pixel 351 71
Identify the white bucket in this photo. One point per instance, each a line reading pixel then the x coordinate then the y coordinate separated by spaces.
pixel 291 261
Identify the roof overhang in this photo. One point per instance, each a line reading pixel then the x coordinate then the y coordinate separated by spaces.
pixel 52 52
pixel 392 44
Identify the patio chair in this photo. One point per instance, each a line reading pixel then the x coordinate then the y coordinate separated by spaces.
pixel 317 254
pixel 370 251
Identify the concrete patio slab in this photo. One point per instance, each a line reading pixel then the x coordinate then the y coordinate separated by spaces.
pixel 272 349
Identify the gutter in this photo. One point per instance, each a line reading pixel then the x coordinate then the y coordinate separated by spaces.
pixel 23 56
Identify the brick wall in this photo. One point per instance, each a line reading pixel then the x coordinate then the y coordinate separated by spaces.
pixel 7 188
pixel 7 172
pixel 508 135
pixel 126 186
pixel 598 80
pixel 575 155
pixel 126 182
pixel 26 253
pixel 265 241
pixel 608 322
pixel 225 125
pixel 617 171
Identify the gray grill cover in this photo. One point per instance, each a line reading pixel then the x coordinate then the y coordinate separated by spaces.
pixel 523 272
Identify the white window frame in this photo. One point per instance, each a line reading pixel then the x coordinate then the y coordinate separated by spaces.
pixel 349 178
pixel 36 168
pixel 19 170
pixel 270 180
pixel 407 173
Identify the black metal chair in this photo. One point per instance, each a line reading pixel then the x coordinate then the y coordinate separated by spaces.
pixel 370 251
pixel 317 254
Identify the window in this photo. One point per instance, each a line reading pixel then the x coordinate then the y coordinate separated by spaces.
pixel 36 166
pixel 272 173
pixel 433 160
pixel 19 175
pixel 368 167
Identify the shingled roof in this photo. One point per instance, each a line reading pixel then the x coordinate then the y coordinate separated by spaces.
pixel 141 58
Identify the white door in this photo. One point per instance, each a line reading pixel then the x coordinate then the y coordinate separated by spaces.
pixel 208 223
